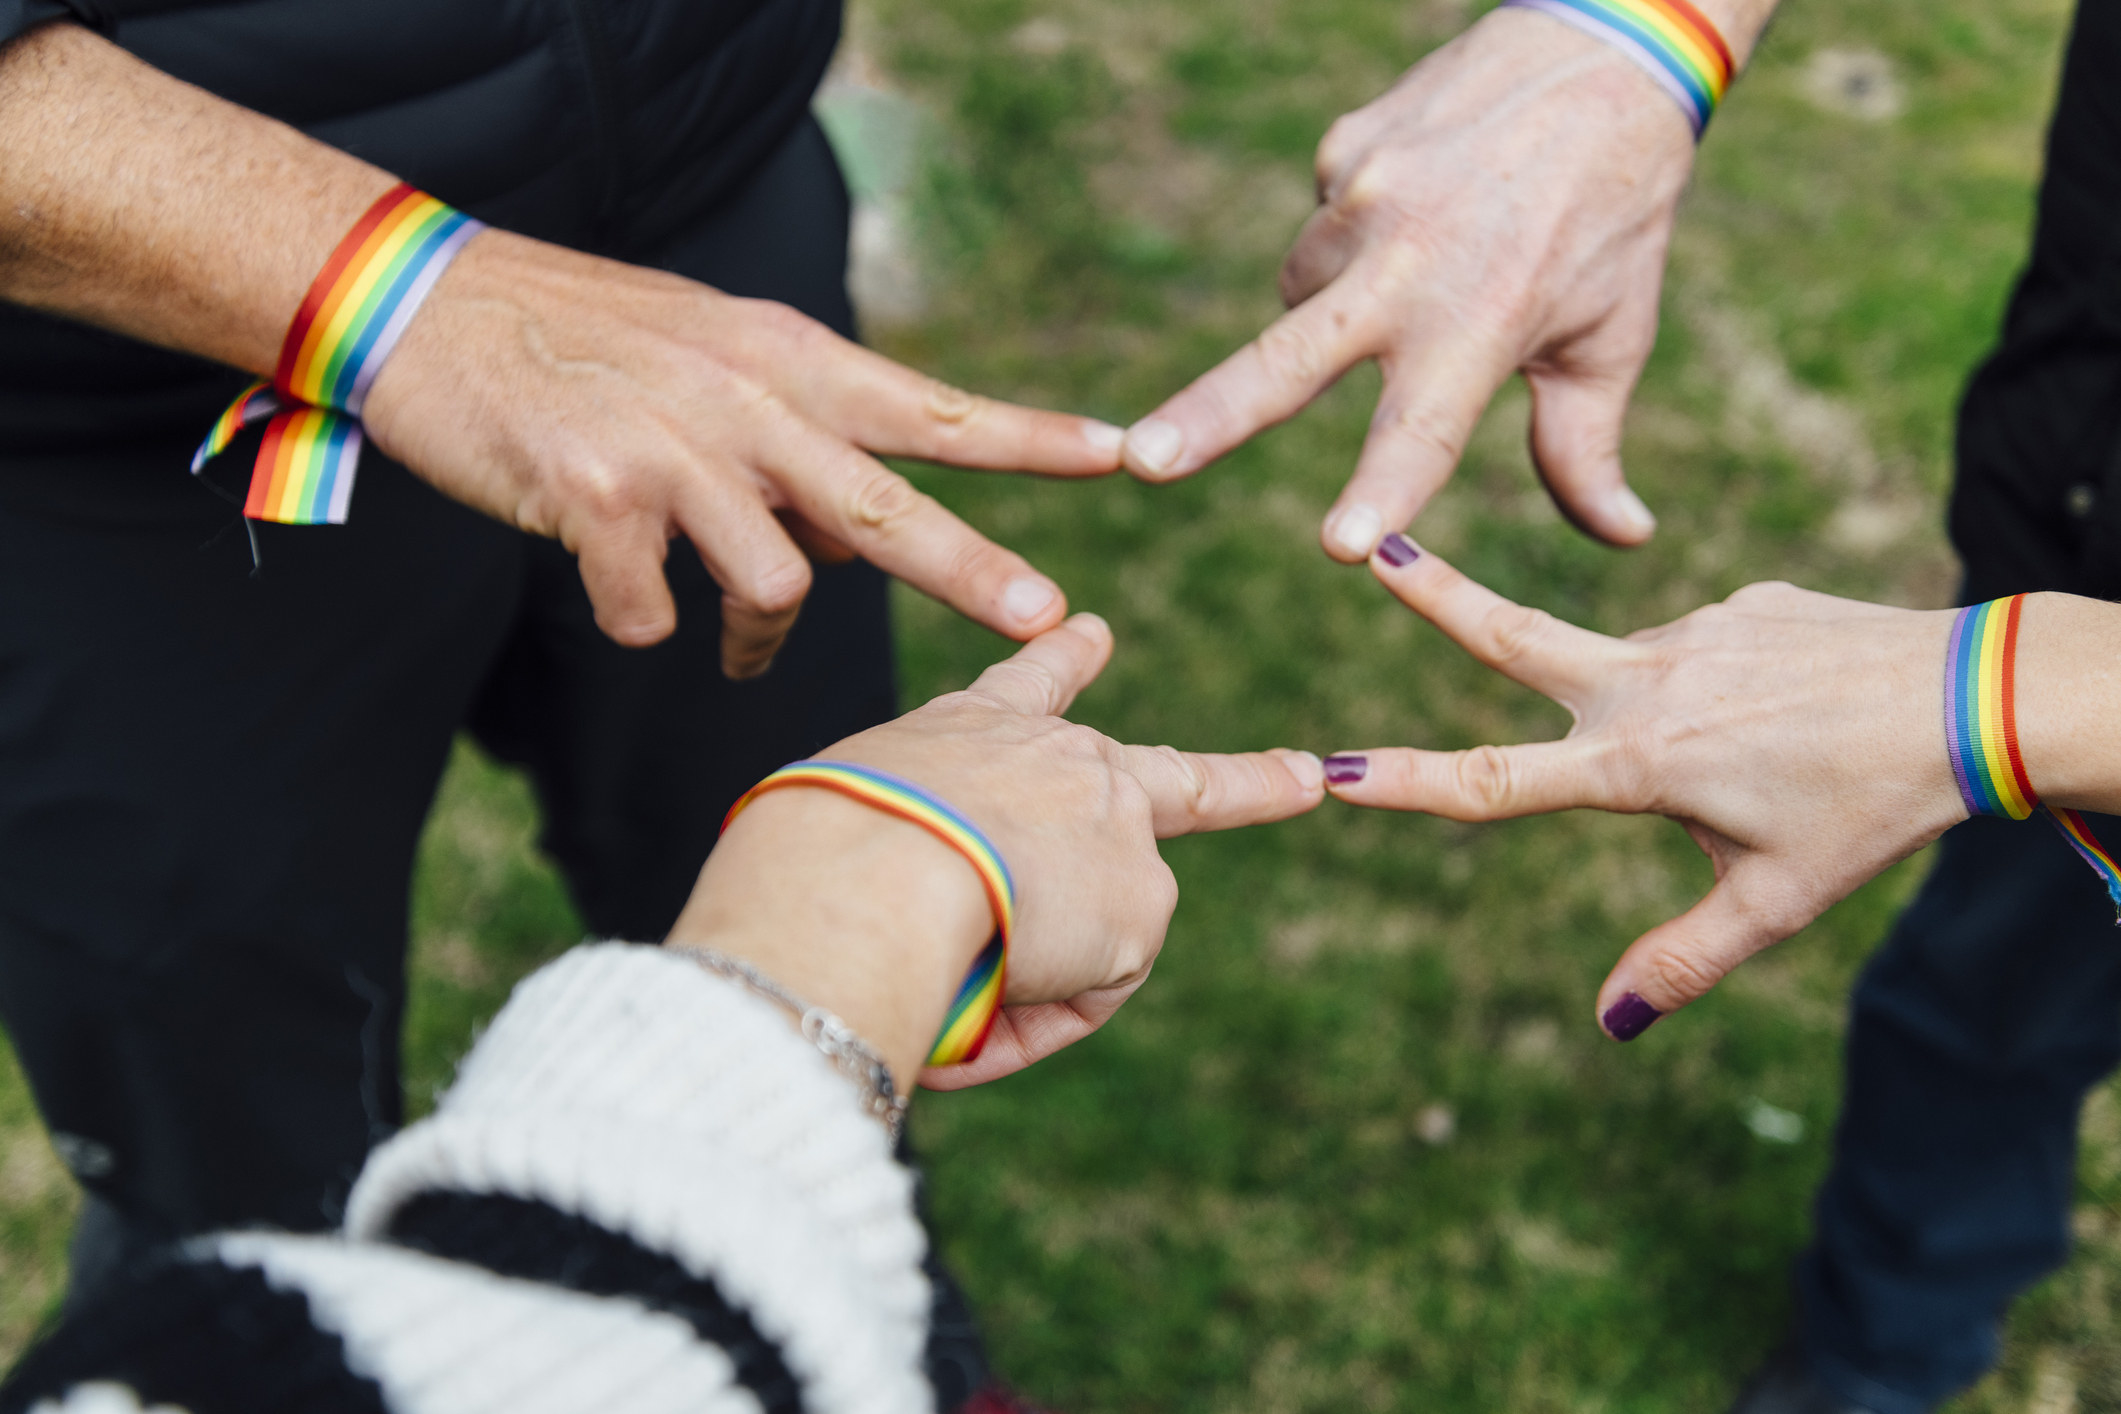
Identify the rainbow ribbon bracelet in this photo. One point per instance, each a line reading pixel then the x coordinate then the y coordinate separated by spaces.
pixel 1673 42
pixel 1981 731
pixel 349 322
pixel 979 998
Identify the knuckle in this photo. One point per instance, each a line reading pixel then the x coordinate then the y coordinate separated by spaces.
pixel 1424 427
pixel 1292 354
pixel 1681 974
pixel 1487 779
pixel 1366 187
pixel 596 489
pixel 1515 631
pixel 1163 894
pixel 780 588
pixel 1040 679
pixel 951 406
pixel 884 501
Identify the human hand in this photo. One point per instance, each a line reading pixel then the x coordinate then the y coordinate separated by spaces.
pixel 1797 737
pixel 1075 814
pixel 1506 206
pixel 613 407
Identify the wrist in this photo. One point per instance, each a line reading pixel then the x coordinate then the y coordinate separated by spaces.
pixel 2068 683
pixel 854 910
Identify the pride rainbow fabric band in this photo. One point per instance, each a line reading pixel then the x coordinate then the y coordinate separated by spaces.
pixel 979 998
pixel 348 324
pixel 1981 730
pixel 1671 40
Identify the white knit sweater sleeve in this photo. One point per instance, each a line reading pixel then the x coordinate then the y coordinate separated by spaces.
pixel 628 1086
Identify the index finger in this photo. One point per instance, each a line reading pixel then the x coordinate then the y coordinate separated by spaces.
pixel 1267 381
pixel 1524 644
pixel 1192 792
pixel 881 405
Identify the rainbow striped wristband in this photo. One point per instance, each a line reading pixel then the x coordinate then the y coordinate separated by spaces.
pixel 347 326
pixel 1672 41
pixel 979 998
pixel 1981 731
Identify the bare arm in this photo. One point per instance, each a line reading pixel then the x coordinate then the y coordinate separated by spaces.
pixel 605 405
pixel 135 202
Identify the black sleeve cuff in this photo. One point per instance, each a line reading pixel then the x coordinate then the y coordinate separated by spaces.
pixel 19 17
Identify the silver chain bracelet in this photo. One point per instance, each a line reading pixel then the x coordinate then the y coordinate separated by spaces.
pixel 849 1053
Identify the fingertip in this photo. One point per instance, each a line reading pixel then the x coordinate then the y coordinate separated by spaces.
pixel 1351 532
pixel 1396 551
pixel 1628 1017
pixel 1031 604
pixel 1092 626
pixel 1154 448
pixel 1104 441
pixel 1307 770
pixel 637 630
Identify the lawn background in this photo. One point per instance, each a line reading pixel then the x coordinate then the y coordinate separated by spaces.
pixel 1359 1144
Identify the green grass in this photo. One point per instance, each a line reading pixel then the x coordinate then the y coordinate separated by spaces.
pixel 1242 1195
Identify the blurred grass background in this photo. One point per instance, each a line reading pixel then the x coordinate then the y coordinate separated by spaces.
pixel 1359 1144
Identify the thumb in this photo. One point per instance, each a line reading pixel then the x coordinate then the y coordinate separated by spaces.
pixel 1576 429
pixel 1679 961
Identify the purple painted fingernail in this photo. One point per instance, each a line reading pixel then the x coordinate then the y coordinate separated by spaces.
pixel 1397 550
pixel 1346 770
pixel 1629 1017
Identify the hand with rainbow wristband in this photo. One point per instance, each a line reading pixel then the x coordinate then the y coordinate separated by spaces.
pixel 607 405
pixel 977 884
pixel 1796 736
pixel 1505 208
pixel 348 325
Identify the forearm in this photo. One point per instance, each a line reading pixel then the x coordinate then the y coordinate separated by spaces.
pixel 139 203
pixel 2068 699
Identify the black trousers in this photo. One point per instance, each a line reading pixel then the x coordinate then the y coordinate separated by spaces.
pixel 1995 1005
pixel 212 784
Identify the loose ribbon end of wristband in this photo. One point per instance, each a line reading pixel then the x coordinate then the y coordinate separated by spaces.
pixel 253 404
pixel 973 1010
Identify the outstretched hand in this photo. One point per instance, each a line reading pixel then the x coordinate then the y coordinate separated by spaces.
pixel 1075 814
pixel 1797 737
pixel 1505 207
pixel 614 407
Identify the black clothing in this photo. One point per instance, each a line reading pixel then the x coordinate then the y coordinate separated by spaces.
pixel 211 785
pixel 609 127
pixel 1995 1005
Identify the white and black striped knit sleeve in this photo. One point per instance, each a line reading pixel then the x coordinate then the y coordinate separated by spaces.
pixel 644 1193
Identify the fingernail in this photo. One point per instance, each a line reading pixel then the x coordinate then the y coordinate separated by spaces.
pixel 1154 444
pixel 1396 550
pixel 1629 1017
pixel 1355 529
pixel 1104 439
pixel 1346 770
pixel 1086 619
pixel 1629 508
pixel 1026 599
pixel 1309 771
